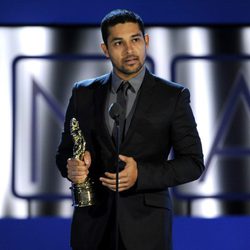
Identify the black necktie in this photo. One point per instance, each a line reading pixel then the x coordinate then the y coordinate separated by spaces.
pixel 122 96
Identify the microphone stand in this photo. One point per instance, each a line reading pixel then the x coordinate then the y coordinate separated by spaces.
pixel 118 142
pixel 115 111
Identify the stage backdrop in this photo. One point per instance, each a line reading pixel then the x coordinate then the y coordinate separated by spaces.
pixel 155 12
pixel 39 66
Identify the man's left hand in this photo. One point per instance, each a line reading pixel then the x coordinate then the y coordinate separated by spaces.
pixel 127 177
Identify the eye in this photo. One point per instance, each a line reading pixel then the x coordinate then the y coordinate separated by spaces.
pixel 136 39
pixel 118 43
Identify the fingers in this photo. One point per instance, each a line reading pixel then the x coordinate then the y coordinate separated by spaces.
pixel 77 170
pixel 124 158
pixel 87 158
pixel 111 184
pixel 109 181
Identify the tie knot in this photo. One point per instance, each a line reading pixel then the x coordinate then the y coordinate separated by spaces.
pixel 124 86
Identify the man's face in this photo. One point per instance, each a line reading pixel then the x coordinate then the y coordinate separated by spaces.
pixel 126 48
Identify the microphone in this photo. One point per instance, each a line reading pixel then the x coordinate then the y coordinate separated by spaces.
pixel 115 111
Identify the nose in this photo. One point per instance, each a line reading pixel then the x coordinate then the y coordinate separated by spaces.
pixel 129 47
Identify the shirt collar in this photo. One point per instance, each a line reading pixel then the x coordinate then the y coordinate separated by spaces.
pixel 135 82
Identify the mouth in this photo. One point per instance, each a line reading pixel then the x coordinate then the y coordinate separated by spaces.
pixel 131 60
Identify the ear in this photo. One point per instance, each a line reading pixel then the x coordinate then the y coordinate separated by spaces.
pixel 105 50
pixel 146 38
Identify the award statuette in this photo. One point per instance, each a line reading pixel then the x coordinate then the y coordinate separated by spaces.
pixel 82 193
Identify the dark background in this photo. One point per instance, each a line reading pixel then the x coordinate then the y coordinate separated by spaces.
pixel 157 12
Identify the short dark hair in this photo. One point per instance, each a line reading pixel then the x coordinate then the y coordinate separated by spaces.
pixel 119 16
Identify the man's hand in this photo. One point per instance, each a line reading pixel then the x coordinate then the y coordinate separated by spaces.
pixel 78 169
pixel 127 177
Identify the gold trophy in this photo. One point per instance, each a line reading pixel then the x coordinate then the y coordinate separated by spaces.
pixel 82 193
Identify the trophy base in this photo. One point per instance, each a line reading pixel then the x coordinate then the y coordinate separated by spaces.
pixel 82 195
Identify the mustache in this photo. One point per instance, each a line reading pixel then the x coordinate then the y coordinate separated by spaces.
pixel 130 57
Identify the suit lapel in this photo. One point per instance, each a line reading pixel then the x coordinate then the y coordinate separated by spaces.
pixel 100 104
pixel 145 98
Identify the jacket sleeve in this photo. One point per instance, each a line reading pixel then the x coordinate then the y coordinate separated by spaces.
pixel 187 164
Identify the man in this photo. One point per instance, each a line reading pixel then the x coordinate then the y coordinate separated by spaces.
pixel 158 118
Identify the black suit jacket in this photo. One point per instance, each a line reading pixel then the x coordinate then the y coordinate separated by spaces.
pixel 162 120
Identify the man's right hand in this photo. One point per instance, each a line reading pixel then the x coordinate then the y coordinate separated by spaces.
pixel 78 169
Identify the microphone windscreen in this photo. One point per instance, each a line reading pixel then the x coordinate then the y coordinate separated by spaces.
pixel 115 110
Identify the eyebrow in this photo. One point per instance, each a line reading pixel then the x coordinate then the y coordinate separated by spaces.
pixel 116 39
pixel 136 35
pixel 120 38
